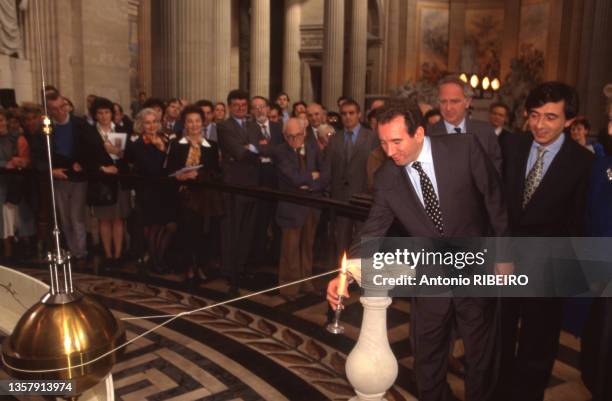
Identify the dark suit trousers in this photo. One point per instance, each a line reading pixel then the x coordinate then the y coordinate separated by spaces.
pixel 345 229
pixel 432 323
pixel 528 353
pixel 237 229
pixel 296 254
pixel 266 248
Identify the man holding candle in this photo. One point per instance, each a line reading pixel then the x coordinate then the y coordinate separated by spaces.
pixel 460 197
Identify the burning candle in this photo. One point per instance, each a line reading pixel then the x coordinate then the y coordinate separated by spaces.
pixel 343 274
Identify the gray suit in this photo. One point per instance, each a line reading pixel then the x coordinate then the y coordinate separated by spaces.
pixel 484 132
pixel 349 177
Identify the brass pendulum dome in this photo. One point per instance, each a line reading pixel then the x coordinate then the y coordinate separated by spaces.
pixel 66 335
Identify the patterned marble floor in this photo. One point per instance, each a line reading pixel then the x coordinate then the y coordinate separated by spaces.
pixel 262 348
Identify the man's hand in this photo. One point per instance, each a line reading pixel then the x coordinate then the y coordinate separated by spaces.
pixel 316 175
pixel 109 169
pixel 77 167
pixel 504 269
pixel 190 175
pixel 332 292
pixel 59 173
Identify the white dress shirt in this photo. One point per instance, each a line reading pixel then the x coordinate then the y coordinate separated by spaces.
pixel 426 160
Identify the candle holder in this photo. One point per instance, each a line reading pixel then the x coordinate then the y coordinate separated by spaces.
pixel 335 327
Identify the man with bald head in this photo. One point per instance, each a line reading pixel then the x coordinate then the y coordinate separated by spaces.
pixel 301 169
pixel 316 116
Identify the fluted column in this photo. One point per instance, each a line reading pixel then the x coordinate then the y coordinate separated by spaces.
pixel 371 367
pixel 222 36
pixel 358 51
pixel 260 48
pixel 42 12
pixel 392 45
pixel 144 46
pixel 333 52
pixel 291 57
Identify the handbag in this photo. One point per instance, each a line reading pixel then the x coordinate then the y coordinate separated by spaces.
pixel 102 192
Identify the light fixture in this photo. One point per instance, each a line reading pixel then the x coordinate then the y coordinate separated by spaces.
pixel 495 84
pixel 463 77
pixel 474 81
pixel 485 83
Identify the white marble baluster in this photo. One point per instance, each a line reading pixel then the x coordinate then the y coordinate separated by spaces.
pixel 371 367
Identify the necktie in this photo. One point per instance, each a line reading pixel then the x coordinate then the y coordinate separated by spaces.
pixel 432 205
pixel 264 131
pixel 457 130
pixel 534 177
pixel 301 160
pixel 348 145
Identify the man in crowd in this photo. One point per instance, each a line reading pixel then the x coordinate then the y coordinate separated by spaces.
pixel 70 182
pixel 282 99
pixel 316 117
pixel 265 247
pixel 439 186
pixel 301 169
pixel 498 117
pixel 348 153
pixel 454 98
pixel 545 185
pixel 209 127
pixel 238 139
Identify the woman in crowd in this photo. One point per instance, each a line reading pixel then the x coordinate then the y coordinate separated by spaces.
pixel 14 154
pixel 147 156
pixel 197 204
pixel 104 155
pixel 219 112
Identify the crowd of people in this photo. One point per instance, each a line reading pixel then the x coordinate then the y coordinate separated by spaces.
pixel 166 223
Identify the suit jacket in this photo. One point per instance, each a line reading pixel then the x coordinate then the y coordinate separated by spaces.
pixel 556 209
pixel 481 130
pixel 240 166
pixel 290 179
pixel 267 172
pixel 350 178
pixel 500 138
pixel 469 190
pixel 204 201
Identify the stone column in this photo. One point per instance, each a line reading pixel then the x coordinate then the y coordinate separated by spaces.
pixel 144 47
pixel 291 55
pixel 392 45
pixel 371 367
pixel 260 48
pixel 222 35
pixel 333 52
pixel 42 12
pixel 358 52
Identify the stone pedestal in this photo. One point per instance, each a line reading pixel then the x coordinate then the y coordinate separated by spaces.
pixel 371 367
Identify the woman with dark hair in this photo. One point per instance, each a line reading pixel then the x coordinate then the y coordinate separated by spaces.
pixel 122 122
pixel 147 156
pixel 110 203
pixel 197 204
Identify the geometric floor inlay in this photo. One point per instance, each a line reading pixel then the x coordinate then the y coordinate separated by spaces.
pixel 263 348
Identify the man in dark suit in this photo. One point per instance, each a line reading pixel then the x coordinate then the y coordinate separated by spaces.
pixel 435 187
pixel 348 152
pixel 454 97
pixel 498 117
pixel 301 169
pixel 266 248
pixel 238 139
pixel 315 115
pixel 545 179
